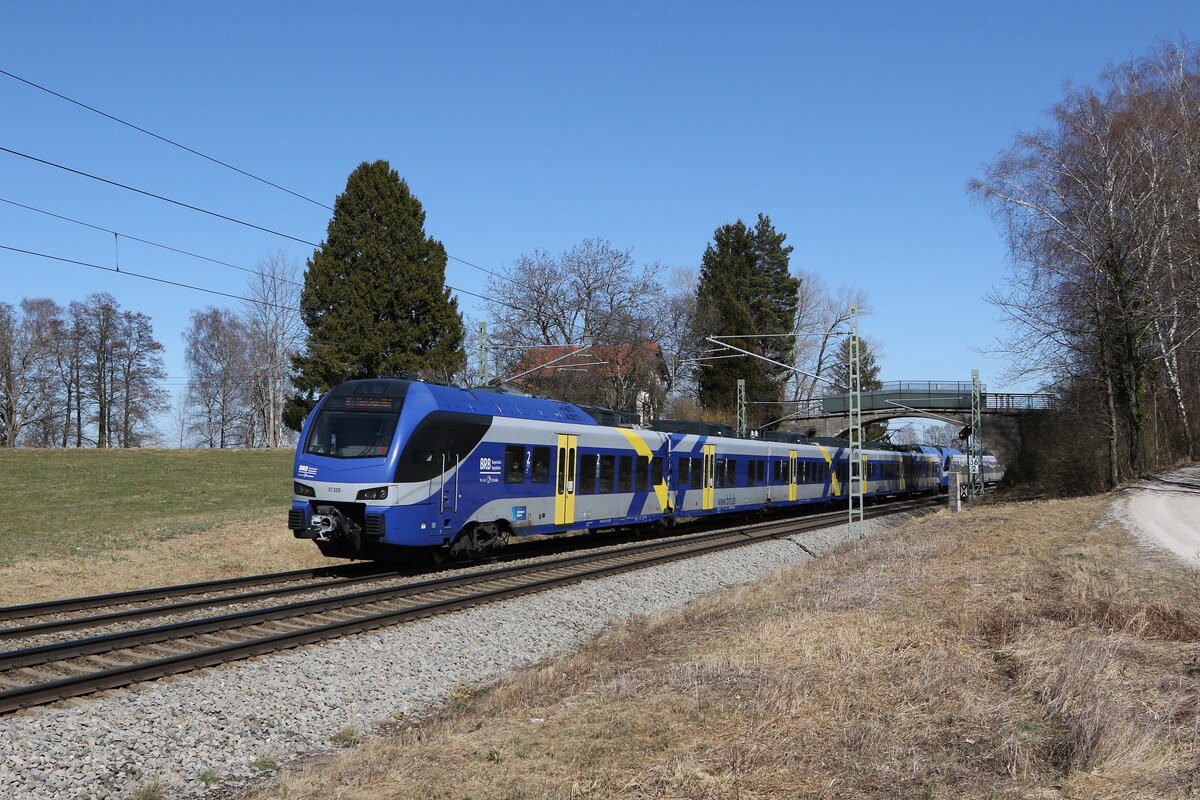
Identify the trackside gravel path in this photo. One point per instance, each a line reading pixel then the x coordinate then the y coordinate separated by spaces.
pixel 1165 511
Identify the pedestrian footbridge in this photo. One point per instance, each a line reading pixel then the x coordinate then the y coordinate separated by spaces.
pixel 1002 412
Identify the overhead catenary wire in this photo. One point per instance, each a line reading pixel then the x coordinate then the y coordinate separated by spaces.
pixel 185 285
pixel 207 157
pixel 159 197
pixel 164 139
pixel 214 213
pixel 145 241
pixel 476 266
pixel 146 277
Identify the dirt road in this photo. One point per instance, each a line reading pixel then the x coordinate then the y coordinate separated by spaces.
pixel 1166 511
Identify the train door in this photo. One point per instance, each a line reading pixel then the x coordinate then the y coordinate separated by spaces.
pixel 792 475
pixel 450 463
pixel 770 476
pixel 564 485
pixel 710 470
pixel 449 500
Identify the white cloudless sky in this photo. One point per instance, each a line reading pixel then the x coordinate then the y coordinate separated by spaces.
pixel 855 127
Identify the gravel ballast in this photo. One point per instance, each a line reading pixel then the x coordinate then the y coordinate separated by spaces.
pixel 233 721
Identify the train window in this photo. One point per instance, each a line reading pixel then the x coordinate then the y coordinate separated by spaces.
pixel 681 476
pixel 697 473
pixel 340 433
pixel 606 473
pixel 514 464
pixel 762 471
pixel 731 477
pixel 587 473
pixel 720 476
pixel 777 472
pixel 751 473
pixel 540 473
pixel 625 474
pixel 643 473
pixel 656 471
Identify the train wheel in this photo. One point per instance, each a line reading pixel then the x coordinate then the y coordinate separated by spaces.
pixel 480 541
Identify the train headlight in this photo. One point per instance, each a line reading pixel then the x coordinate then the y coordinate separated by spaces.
pixel 302 490
pixel 378 493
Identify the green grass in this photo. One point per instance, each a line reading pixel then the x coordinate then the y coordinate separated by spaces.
pixel 81 502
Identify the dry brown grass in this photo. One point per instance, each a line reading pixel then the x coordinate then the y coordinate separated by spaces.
pixel 1023 651
pixel 243 548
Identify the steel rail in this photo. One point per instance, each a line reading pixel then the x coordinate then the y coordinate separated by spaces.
pixel 61 651
pixel 180 590
pixel 98 620
pixel 49 691
pixel 374 570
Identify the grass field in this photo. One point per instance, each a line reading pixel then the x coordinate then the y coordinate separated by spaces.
pixel 68 502
pixel 1024 650
pixel 82 521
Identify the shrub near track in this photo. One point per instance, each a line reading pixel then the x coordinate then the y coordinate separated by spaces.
pixel 1029 650
pixel 65 502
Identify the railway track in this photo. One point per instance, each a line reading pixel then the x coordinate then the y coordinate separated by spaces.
pixel 48 672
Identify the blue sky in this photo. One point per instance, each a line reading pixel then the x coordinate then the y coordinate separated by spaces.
pixel 534 125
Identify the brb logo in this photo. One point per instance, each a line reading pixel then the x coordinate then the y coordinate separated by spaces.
pixel 489 464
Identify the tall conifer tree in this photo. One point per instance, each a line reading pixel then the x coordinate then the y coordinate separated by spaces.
pixel 374 299
pixel 746 290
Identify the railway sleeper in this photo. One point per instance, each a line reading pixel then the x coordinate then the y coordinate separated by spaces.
pixel 163 650
pixel 218 639
pixel 34 675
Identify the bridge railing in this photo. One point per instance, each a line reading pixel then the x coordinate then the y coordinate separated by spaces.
pixel 934 396
pixel 1018 402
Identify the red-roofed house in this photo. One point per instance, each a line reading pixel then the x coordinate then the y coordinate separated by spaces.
pixel 620 377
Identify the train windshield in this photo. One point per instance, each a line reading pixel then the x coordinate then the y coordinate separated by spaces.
pixel 345 428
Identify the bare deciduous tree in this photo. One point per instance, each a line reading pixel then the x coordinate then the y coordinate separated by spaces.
pixel 219 382
pixel 821 324
pixel 26 341
pixel 1100 211
pixel 276 334
pixel 594 290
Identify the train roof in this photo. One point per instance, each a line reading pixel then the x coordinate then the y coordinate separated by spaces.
pixel 479 400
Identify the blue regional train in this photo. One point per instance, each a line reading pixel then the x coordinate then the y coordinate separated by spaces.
pixel 387 469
